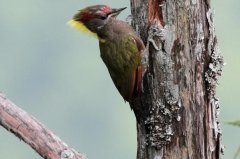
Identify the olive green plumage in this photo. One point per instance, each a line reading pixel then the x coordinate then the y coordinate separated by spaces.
pixel 120 46
pixel 120 54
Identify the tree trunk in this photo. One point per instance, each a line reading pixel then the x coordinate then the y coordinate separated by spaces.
pixel 177 113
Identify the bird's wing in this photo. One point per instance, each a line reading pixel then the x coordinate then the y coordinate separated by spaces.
pixel 137 77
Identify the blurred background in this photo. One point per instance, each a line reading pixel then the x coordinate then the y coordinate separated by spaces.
pixel 56 74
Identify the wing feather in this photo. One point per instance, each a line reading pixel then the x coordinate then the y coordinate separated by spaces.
pixel 137 77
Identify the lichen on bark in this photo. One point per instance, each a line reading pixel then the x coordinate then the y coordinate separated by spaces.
pixel 177 115
pixel 163 110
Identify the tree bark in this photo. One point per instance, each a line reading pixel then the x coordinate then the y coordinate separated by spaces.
pixel 177 113
pixel 35 134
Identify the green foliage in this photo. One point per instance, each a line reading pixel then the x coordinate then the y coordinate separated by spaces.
pixel 235 123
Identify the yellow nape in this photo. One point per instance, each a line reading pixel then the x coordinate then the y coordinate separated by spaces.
pixel 80 26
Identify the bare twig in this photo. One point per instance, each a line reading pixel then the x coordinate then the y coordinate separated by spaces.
pixel 35 134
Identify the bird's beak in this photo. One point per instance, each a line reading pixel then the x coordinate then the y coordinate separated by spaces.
pixel 116 12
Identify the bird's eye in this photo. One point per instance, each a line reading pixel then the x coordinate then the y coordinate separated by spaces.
pixel 103 17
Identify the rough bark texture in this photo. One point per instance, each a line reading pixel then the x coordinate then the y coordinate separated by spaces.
pixel 35 134
pixel 178 114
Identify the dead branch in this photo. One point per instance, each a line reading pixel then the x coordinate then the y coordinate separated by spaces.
pixel 32 132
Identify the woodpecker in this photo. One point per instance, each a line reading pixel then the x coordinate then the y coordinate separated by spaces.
pixel 120 46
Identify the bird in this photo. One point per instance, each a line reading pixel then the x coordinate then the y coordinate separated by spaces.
pixel 120 46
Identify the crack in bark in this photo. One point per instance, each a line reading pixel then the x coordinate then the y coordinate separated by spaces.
pixel 175 117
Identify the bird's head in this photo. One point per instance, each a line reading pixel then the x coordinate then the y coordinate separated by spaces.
pixel 93 18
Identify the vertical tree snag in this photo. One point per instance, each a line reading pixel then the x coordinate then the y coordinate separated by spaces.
pixel 177 114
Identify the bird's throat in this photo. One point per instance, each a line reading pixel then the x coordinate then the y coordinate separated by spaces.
pixel 80 26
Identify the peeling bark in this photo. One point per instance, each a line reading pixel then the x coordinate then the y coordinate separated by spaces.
pixel 177 113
